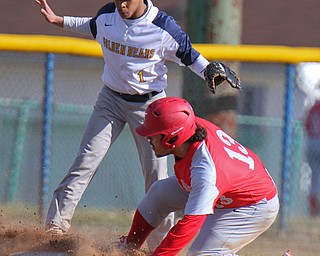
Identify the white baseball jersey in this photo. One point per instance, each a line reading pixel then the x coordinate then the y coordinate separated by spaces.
pixel 135 50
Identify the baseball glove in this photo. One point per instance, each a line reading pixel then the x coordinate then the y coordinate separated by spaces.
pixel 215 73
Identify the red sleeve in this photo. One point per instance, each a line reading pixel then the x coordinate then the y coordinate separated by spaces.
pixel 180 235
pixel 139 231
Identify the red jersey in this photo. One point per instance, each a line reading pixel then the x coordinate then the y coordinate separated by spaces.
pixel 313 121
pixel 220 172
pixel 217 172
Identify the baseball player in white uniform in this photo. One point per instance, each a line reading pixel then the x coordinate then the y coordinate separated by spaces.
pixel 225 191
pixel 136 40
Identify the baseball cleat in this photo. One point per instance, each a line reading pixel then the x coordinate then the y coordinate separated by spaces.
pixel 55 232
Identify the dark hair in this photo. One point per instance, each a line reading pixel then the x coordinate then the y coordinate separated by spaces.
pixel 199 135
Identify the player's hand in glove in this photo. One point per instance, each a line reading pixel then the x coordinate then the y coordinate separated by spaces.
pixel 216 72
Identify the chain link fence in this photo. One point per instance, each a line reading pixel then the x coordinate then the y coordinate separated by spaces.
pixel 261 111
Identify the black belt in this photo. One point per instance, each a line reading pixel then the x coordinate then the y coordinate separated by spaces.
pixel 137 97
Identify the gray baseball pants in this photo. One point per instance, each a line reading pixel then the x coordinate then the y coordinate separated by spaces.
pixel 110 115
pixel 223 233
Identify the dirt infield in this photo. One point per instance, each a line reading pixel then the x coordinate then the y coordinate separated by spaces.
pixel 95 234
pixel 14 239
pixel 21 231
pixel 31 240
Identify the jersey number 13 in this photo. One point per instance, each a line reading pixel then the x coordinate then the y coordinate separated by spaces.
pixel 241 155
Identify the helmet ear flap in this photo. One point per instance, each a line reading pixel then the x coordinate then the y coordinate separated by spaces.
pixel 169 142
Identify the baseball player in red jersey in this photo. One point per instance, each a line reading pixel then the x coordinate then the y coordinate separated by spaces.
pixel 312 124
pixel 136 40
pixel 227 195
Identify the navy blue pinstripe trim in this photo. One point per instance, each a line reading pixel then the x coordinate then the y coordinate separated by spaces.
pixel 185 52
pixel 108 8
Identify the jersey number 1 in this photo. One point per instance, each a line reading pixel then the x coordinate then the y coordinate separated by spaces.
pixel 141 76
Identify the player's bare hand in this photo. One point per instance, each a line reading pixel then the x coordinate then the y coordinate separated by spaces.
pixel 122 248
pixel 49 14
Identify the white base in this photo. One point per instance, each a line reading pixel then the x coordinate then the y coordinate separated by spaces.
pixel 39 254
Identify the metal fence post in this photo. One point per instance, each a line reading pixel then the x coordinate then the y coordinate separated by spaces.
pixel 46 134
pixel 287 147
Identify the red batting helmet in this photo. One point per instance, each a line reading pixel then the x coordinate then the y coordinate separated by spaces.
pixel 172 117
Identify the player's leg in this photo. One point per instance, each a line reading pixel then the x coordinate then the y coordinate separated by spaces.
pixel 163 197
pixel 228 230
pixel 153 168
pixel 101 131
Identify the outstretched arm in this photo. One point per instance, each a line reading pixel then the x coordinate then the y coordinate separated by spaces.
pixel 49 15
pixel 180 235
